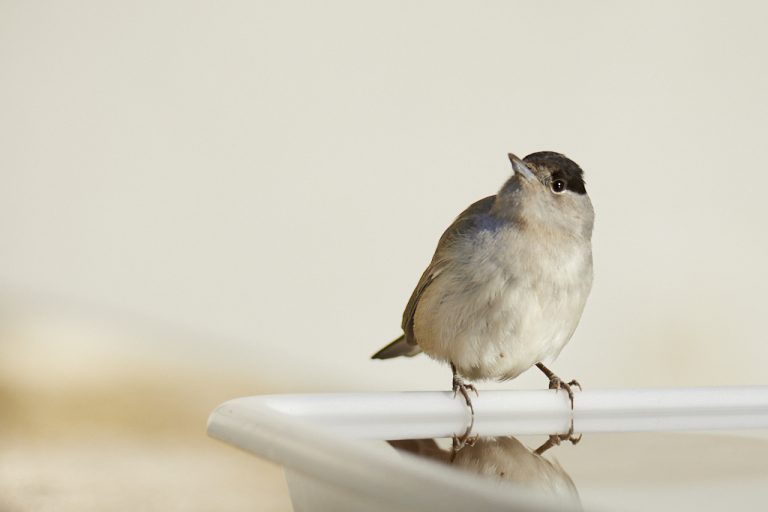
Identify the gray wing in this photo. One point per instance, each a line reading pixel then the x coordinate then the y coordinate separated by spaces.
pixel 464 222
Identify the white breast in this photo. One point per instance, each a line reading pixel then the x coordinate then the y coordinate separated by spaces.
pixel 505 303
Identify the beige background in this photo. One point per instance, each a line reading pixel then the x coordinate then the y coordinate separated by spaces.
pixel 205 200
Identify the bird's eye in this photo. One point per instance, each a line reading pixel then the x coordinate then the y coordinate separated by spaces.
pixel 558 186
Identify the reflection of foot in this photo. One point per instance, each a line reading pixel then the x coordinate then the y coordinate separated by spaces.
pixel 459 386
pixel 556 383
pixel 549 443
pixel 465 439
pixel 556 439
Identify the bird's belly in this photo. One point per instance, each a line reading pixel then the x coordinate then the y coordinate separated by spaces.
pixel 500 328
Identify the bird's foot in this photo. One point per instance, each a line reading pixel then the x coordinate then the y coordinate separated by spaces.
pixel 459 386
pixel 557 383
pixel 465 439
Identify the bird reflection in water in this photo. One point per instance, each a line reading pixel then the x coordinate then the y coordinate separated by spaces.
pixel 505 459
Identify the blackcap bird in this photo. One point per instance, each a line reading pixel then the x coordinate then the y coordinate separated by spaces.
pixel 509 279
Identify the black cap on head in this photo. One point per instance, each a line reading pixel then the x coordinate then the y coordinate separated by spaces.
pixel 561 168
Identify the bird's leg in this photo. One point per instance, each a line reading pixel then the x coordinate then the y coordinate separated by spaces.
pixel 459 386
pixel 556 383
pixel 465 439
pixel 556 439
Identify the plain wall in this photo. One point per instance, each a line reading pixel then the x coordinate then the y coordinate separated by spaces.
pixel 258 186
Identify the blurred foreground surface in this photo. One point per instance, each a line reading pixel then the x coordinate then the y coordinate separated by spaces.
pixel 105 429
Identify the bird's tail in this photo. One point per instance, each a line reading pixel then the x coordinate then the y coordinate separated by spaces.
pixel 397 348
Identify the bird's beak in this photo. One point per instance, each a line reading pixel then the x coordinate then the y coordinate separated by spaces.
pixel 520 168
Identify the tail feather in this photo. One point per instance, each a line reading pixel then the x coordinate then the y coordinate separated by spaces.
pixel 397 348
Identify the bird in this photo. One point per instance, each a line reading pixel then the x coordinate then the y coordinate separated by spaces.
pixel 509 279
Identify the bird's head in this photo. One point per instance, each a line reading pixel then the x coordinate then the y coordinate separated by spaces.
pixel 547 191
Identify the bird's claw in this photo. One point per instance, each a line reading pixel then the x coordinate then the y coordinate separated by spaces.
pixel 459 386
pixel 557 384
pixel 574 382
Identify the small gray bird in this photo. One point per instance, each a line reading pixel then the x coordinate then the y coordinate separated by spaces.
pixel 509 279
